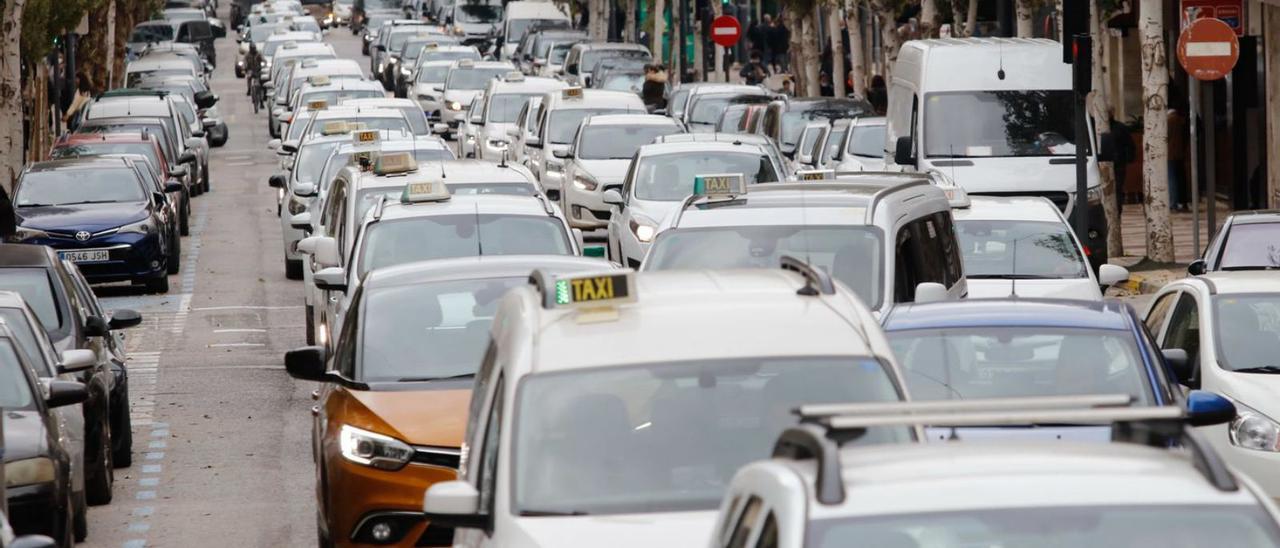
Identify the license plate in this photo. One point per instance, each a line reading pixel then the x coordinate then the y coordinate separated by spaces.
pixel 86 256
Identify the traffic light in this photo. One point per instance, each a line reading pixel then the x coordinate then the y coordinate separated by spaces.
pixel 1075 20
pixel 1082 68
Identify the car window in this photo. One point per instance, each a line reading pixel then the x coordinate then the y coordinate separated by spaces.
pixel 1184 329
pixel 35 287
pixel 15 388
pixel 1251 246
pixel 1159 311
pixel 768 533
pixel 486 480
pixel 26 338
pixel 742 531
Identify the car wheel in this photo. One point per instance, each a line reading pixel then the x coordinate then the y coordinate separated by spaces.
pixel 158 285
pixel 184 218
pixel 175 255
pixel 66 532
pixel 293 269
pixel 80 516
pixel 205 186
pixel 99 474
pixel 122 433
pixel 239 72
pixel 311 325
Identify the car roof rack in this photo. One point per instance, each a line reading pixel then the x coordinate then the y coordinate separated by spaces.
pixel 824 428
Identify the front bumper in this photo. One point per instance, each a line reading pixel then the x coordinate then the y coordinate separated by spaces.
pixel 35 509
pixel 132 256
pixel 489 152
pixel 586 208
pixel 360 497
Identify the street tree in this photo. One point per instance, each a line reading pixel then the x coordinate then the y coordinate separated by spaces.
pixel 1155 137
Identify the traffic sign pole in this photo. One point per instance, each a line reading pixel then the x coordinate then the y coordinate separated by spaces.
pixel 1208 49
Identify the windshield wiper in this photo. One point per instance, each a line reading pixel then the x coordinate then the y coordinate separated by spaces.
pixel 432 379
pixel 91 202
pixel 36 205
pixel 543 513
pixel 1014 277
pixel 1259 369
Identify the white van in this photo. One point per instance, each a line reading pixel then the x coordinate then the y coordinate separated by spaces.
pixel 520 16
pixel 995 115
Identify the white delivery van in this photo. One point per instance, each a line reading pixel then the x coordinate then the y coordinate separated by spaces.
pixel 521 16
pixel 995 115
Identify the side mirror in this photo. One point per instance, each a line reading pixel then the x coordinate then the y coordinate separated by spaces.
pixel 283 116
pixel 197 132
pixel 1197 267
pixel 562 154
pixel 187 157
pixel 289 147
pixel 1207 409
pixel 301 221
pixel 62 393
pixel 660 111
pixel 333 278
pixel 931 292
pixel 306 363
pixel 178 172
pixel 612 197
pixel 380 47
pixel 453 504
pixel 124 318
pixel 172 186
pixel 1178 362
pixel 307 190
pixel 1110 274
pixel 513 132
pixel 206 99
pixel 273 144
pixel 325 252
pixel 95 326
pixel 76 360
pixel 902 152
pixel 533 143
pixel 276 181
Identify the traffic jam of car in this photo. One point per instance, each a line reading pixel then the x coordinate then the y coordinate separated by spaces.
pixel 542 309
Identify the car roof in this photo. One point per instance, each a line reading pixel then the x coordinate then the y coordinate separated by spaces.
pixel 478 171
pixel 344 112
pixel 622 46
pixel 1240 281
pixel 305 36
pixel 26 255
pixel 595 98
pixel 628 120
pixel 462 204
pixel 1011 312
pixel 528 85
pixel 1008 208
pixel 118 137
pixel 476 267
pixel 128 106
pixel 342 84
pixel 11 299
pixel 158 62
pixel 80 162
pixel 661 145
pixel 1258 216
pixel 683 309
pixel 404 144
pixel 382 102
pixel 716 137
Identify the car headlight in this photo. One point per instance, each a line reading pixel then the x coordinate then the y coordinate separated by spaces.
pixel 28 472
pixel 296 206
pixel 554 166
pixel 458 30
pixel 1094 195
pixel 1253 430
pixel 145 226
pixel 454 105
pixel 374 450
pixel 23 234
pixel 584 183
pixel 498 143
pixel 644 229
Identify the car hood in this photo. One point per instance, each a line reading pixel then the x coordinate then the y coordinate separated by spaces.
pixel 425 89
pixel 656 211
pixel 89 217
pixel 1077 288
pixel 494 130
pixel 24 435
pixel 1261 391
pixel 1098 434
pixel 400 413
pixel 605 172
pixel 1013 175
pixel 616 531
pixel 476 28
pixel 463 96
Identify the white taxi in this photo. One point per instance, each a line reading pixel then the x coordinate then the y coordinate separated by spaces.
pixel 600 157
pixel 556 123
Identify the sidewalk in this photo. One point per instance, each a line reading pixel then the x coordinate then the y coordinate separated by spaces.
pixel 1146 276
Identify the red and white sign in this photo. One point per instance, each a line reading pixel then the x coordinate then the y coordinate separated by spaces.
pixel 1208 49
pixel 1230 12
pixel 726 30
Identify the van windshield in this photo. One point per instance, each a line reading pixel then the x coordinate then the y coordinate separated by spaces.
pixel 998 124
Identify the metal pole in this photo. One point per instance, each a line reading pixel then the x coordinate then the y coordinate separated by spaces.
pixel 1194 86
pixel 1210 164
pixel 1080 208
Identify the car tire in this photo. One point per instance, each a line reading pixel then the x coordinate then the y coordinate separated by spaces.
pixel 293 269
pixel 122 432
pixel 311 325
pixel 184 218
pixel 205 186
pixel 80 516
pixel 158 285
pixel 239 72
pixel 174 260
pixel 65 534
pixel 99 473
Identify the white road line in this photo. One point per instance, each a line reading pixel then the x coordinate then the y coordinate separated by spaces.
pixel 245 307
pixel 247 330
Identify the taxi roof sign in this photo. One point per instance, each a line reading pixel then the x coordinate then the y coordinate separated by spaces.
pixel 318 104
pixel 466 63
pixel 395 164
pixel 816 175
pixel 513 76
pixel 424 191
pixel 290 45
pixel 598 290
pixel 334 127
pixel 574 92
pixel 720 185
pixel 365 137
pixel 318 80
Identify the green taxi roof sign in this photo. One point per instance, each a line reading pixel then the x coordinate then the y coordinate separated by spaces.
pixel 396 163
pixel 424 191
pixel 574 92
pixel 816 175
pixel 720 185
pixel 598 290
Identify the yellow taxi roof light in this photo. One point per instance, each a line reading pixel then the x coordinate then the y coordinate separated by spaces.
pixel 816 175
pixel 318 104
pixel 365 137
pixel 394 164
pixel 424 191
pixel 574 92
pixel 598 290
pixel 720 185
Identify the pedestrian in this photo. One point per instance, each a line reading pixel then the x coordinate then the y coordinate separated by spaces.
pixel 754 72
pixel 1177 157
pixel 755 35
pixel 825 87
pixel 84 92
pixel 878 95
pixel 1122 143
pixel 779 39
pixel 788 88
pixel 654 91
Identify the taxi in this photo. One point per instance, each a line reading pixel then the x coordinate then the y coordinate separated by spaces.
pixel 423 74
pixel 466 79
pixel 503 99
pixel 389 420
pixel 613 407
pixel 889 236
pixel 599 159
pixel 417 120
pixel 322 88
pixel 428 90
pixel 556 123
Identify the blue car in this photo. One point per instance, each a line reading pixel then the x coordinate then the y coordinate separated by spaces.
pixel 1014 348
pixel 102 214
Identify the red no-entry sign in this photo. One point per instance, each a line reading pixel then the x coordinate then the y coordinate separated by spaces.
pixel 1208 49
pixel 726 30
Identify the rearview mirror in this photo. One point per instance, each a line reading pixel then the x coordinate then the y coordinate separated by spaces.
pixel 1207 409
pixel 325 252
pixel 562 154
pixel 178 172
pixel 1110 274
pixel 304 190
pixel 902 154
pixel 124 318
pixel 931 292
pixel 62 393
pixel 289 147
pixel 306 363
pixel 453 504
pixel 612 197
pixel 76 360
pixel 276 181
pixel 1197 267
pixel 333 278
pixel 206 99
pixel 187 157
pixel 440 127
pixel 95 326
pixel 273 144
pixel 172 186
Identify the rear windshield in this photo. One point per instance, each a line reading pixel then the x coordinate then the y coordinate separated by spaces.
pixel 152 33
pixel 390 243
pixel 34 286
pixel 97 149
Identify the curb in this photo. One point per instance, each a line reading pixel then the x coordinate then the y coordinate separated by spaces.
pixel 1143 283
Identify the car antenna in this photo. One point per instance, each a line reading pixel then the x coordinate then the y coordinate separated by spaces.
pixel 479 237
pixel 1013 280
pixel 503 161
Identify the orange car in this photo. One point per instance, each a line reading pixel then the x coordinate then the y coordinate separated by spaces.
pixel 392 408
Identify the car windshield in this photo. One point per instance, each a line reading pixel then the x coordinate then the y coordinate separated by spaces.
pixel 626 81
pixel 399 37
pixel 451 55
pixel 475 78
pixel 340 160
pixel 593 56
pixel 731 118
pixel 137 76
pixel 668 437
pixel 834 138
pixel 260 33
pixel 477 13
pixel 433 74
pixel 867 141
pixel 453 318
pixel 336 96
pixel 852 254
pixel 1019 250
pixel 563 123
pixel 310 161
pixel 104 147
pixel 153 129
pixel 34 286
pixel 504 107
pixel 797 116
pixel 669 177
pixel 151 33
pixel 389 243
pixel 305 24
pixel 517 27
pixel 1251 246
pixel 1249 330
pixel 80 186
pixel 619 142
pixel 1011 362
pixel 985 124
pixel 1131 526
pixel 706 108
pixel 502 188
pixel 559 52
pixel 25 336
pixel 384 123
pixel 15 389
pixel 677 102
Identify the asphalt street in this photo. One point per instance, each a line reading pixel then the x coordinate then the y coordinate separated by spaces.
pixel 221 433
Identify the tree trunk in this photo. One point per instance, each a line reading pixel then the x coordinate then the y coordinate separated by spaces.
pixel 677 42
pixel 629 29
pixel 794 46
pixel 1155 137
pixel 837 51
pixel 928 19
pixel 1100 109
pixel 810 54
pixel 1024 12
pixel 109 42
pixel 857 55
pixel 1271 27
pixel 971 18
pixel 958 29
pixel 11 160
pixel 890 39
pixel 659 28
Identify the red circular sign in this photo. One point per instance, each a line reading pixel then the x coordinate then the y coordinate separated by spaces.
pixel 1208 49
pixel 726 30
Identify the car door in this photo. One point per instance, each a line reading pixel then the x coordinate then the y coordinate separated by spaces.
pixel 1184 331
pixel 482 469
